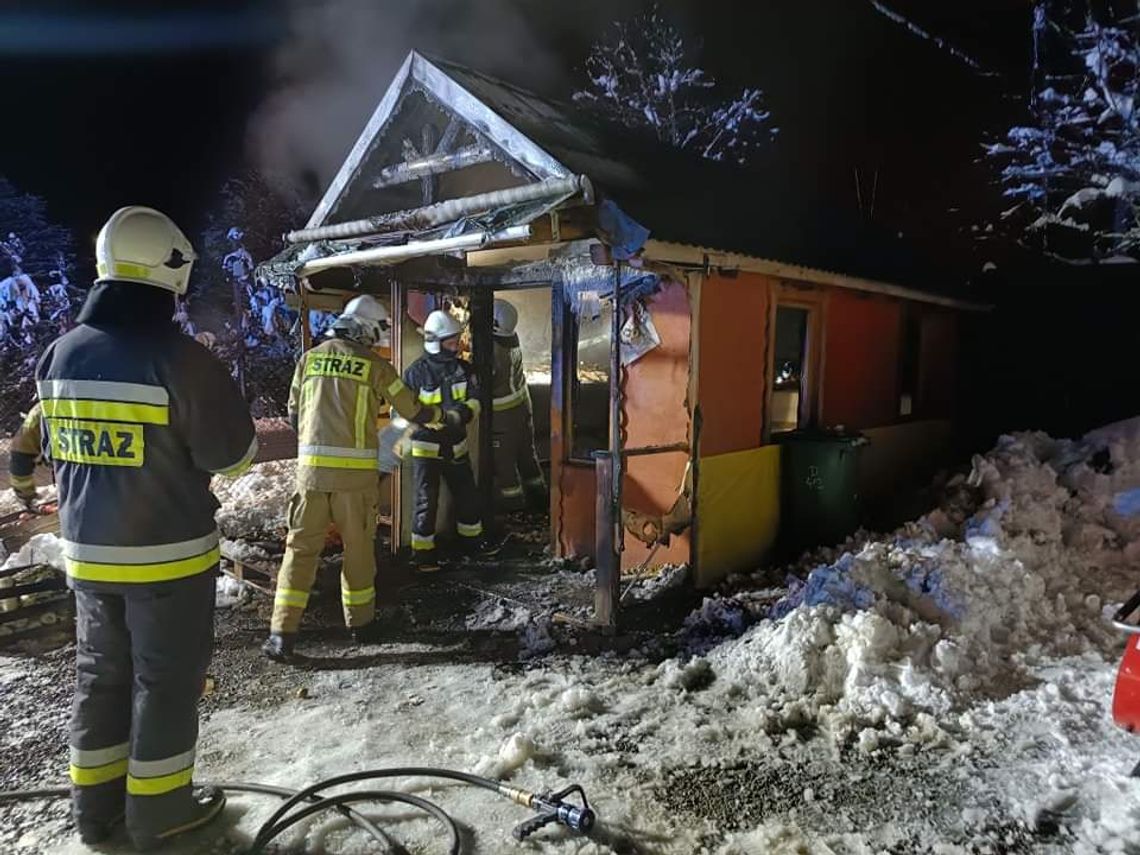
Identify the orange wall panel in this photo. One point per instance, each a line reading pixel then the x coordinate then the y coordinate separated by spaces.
pixel 733 320
pixel 656 413
pixel 862 340
pixel 657 385
pixel 650 486
pixel 574 507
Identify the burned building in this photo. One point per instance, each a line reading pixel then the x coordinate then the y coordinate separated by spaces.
pixel 745 312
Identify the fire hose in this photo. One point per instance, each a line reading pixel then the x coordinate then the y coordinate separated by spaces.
pixel 549 807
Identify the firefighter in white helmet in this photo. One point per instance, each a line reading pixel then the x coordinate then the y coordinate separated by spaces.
pixel 136 419
pixel 441 378
pixel 337 391
pixel 518 475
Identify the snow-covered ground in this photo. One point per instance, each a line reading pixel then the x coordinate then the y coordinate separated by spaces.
pixel 942 689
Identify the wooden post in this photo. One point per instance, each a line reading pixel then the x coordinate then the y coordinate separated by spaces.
pixel 609 471
pixel 482 344
pixel 398 311
pixel 559 319
pixel 608 558
pixel 306 332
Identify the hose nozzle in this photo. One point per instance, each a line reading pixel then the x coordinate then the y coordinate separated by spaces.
pixel 553 807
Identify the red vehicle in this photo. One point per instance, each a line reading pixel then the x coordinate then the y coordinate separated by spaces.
pixel 1126 697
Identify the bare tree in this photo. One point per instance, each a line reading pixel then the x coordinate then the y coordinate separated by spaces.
pixel 642 74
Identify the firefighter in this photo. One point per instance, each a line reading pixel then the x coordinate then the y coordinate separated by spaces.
pixel 337 390
pixel 518 475
pixel 24 453
pixel 440 377
pixel 136 418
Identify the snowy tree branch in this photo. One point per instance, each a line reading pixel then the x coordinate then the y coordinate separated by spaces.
pixel 642 75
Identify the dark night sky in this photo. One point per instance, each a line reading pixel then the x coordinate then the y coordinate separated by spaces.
pixel 129 105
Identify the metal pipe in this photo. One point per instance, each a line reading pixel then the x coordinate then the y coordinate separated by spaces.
pixel 435 164
pixel 444 212
pixel 385 255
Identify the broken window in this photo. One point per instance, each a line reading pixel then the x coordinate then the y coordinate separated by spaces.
pixel 789 370
pixel 590 382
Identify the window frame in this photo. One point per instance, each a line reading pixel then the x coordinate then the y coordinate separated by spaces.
pixel 570 341
pixel 809 299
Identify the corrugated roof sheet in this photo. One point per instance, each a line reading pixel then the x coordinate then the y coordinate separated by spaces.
pixel 760 211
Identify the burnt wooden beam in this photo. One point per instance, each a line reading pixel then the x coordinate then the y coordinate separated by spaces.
pixel 482 345
pixel 433 165
pixel 450 135
pixel 429 184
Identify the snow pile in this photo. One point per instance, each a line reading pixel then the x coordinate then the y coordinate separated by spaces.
pixel 228 592
pixel 907 630
pixel 10 504
pixel 40 549
pixel 668 578
pixel 256 503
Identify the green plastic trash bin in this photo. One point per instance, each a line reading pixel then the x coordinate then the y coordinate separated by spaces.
pixel 820 487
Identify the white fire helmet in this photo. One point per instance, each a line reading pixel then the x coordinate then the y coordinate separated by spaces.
pixel 439 327
pixel 506 318
pixel 143 245
pixel 371 316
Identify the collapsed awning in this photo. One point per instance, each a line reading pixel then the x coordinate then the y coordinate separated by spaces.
pixel 455 225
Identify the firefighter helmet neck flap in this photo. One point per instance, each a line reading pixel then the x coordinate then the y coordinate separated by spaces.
pixel 438 328
pixel 139 244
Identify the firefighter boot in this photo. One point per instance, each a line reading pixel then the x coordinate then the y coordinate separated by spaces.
pixel 93 833
pixel 369 633
pixel 207 806
pixel 279 647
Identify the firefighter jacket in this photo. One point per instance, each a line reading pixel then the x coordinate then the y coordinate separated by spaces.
pixel 24 452
pixel 445 380
pixel 510 389
pixel 335 400
pixel 137 417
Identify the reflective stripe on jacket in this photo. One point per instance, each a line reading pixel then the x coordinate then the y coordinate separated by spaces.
pixel 337 390
pixel 447 381
pixel 510 389
pixel 136 420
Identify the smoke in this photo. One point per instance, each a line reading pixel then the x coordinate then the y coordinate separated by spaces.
pixel 334 67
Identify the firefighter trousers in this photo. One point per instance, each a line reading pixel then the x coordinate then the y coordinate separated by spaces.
pixel 426 473
pixel 518 475
pixel 141 660
pixel 310 512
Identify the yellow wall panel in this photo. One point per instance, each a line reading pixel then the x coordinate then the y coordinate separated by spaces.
pixel 738 504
